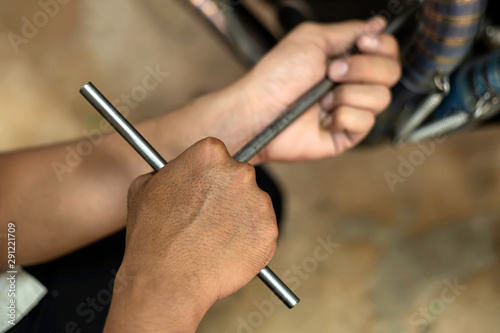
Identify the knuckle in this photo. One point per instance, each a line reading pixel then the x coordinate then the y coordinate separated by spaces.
pixel 385 97
pixel 265 209
pixel 214 149
pixel 246 173
pixel 211 143
pixel 272 249
pixel 307 38
pixel 341 115
pixel 370 122
pixel 266 203
pixel 392 43
pixel 307 28
pixel 343 94
pixel 271 238
pixel 274 233
pixel 267 217
pixel 361 65
pixel 396 72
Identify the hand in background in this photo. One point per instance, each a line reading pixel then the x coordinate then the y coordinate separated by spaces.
pixel 301 60
pixel 197 231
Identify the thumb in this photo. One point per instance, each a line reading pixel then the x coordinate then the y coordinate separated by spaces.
pixel 340 38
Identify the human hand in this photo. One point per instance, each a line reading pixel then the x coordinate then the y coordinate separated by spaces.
pixel 197 231
pixel 299 62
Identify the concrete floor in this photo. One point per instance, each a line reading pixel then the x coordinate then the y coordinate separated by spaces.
pixel 422 256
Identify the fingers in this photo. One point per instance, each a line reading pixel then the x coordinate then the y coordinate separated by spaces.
pixel 365 90
pixel 353 121
pixel 383 45
pixel 379 63
pixel 340 38
pixel 374 98
pixel 371 69
pixel 354 109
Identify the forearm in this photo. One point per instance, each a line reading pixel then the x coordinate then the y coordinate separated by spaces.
pixel 59 206
pixel 228 115
pixel 141 304
pixel 61 202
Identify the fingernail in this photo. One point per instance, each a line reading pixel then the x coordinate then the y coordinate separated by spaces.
pixel 376 23
pixel 370 42
pixel 327 121
pixel 338 68
pixel 327 101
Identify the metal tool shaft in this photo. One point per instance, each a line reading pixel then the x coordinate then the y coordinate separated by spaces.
pixel 153 158
pixel 252 148
pixel 122 126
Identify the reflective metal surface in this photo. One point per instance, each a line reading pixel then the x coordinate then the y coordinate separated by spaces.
pixel 122 126
pixel 279 125
pixel 153 158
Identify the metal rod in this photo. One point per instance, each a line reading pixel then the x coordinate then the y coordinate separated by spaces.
pixel 153 158
pixel 439 128
pixel 122 126
pixel 252 148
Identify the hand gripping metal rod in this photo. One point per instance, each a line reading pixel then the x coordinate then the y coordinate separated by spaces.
pixel 153 158
pixel 252 148
pixel 303 104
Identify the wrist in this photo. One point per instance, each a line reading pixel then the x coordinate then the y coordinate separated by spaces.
pixel 256 111
pixel 230 115
pixel 150 301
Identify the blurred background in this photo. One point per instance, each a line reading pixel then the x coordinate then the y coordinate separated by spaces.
pixel 384 239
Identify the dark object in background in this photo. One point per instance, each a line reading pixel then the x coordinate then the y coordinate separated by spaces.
pixel 293 12
pixel 493 11
pixel 243 34
pixel 80 285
